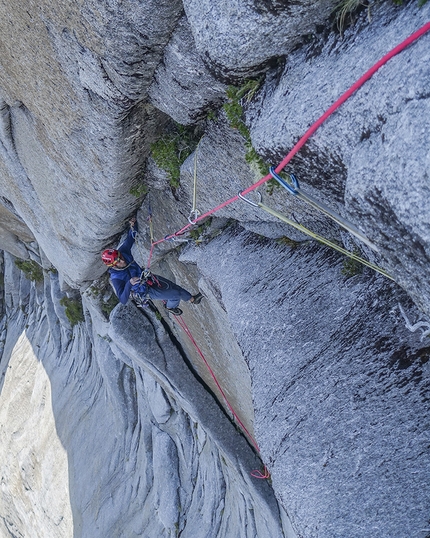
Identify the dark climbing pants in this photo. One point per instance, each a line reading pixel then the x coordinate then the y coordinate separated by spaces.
pixel 167 291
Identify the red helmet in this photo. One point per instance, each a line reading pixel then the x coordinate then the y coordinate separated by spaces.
pixel 111 257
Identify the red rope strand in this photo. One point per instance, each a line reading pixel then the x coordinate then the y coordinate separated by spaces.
pixel 187 331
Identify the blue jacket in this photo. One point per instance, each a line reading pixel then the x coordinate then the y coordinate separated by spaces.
pixel 120 278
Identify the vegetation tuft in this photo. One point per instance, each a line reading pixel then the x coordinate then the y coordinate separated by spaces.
pixel 109 305
pixel 237 97
pixel 196 233
pixel 31 269
pixel 351 267
pixel 73 309
pixel 103 292
pixel 171 150
pixel 347 9
pixel 139 190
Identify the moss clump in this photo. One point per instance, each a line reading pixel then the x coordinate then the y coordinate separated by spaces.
pixel 237 97
pixel 197 232
pixel 109 305
pixel 73 310
pixel 170 151
pixel 102 291
pixel 138 190
pixel 346 11
pixel 351 267
pixel 31 269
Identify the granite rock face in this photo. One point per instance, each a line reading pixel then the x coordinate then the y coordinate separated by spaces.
pixel 132 423
pixel 375 164
pixel 110 434
pixel 340 386
pixel 239 39
pixel 183 87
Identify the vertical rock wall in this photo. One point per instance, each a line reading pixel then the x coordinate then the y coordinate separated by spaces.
pixel 324 370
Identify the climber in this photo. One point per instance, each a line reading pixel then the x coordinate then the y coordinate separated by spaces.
pixel 128 278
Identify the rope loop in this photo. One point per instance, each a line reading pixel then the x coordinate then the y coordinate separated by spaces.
pixel 193 216
pixel 262 475
pixel 293 189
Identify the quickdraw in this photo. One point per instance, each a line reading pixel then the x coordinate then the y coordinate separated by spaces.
pixel 314 235
pixel 295 190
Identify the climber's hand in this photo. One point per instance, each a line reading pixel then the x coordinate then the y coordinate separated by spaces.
pixel 134 280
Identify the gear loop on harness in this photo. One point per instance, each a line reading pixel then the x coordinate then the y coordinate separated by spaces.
pixel 253 204
pixel 293 189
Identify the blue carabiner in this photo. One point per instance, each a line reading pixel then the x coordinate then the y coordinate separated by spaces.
pixel 290 188
pixel 295 181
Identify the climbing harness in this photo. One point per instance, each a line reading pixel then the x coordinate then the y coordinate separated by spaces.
pixel 195 213
pixel 295 190
pixel 314 235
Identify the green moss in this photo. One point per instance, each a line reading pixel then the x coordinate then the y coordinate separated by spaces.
pixel 351 267
pixel 73 309
pixel 211 116
pixel 31 269
pixel 109 305
pixel 196 233
pixel 170 151
pixel 237 96
pixel 346 10
pixel 139 190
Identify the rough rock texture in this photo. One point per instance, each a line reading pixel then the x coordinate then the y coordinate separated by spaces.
pixel 183 87
pixel 342 399
pixel 377 163
pixel 327 372
pixel 78 122
pixel 240 38
pixel 139 447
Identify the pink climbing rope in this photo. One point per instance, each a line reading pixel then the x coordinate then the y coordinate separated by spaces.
pixel 256 473
pixel 399 48
pixel 187 331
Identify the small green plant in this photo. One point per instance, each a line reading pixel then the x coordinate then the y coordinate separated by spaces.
pixel 344 9
pixel 237 96
pixel 109 305
pixel 31 269
pixel 170 151
pixel 211 115
pixel 73 310
pixel 284 240
pixel 196 233
pixel 351 267
pixel 347 8
pixel 138 190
